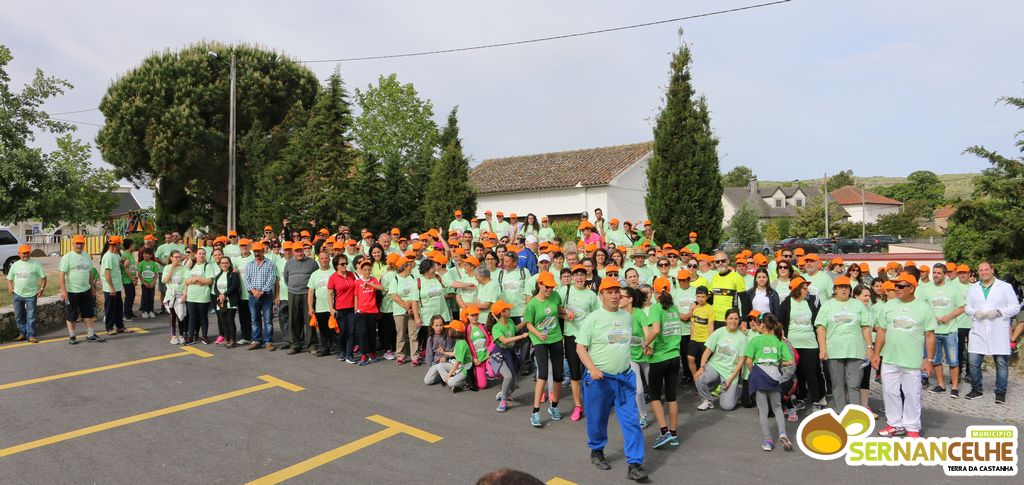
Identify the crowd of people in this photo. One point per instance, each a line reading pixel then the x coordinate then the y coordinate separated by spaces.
pixel 621 320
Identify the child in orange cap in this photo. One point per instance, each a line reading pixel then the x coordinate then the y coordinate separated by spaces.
pixel 454 371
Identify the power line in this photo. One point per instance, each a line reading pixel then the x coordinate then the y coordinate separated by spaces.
pixel 546 39
pixel 77 122
pixel 76 111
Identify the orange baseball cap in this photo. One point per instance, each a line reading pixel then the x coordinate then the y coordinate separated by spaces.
pixel 287 246
pixel 614 222
pixel 459 251
pixel 842 281
pixel 547 279
pixel 647 222
pixel 115 239
pixel 951 267
pixel 258 246
pixel 331 240
pixel 795 282
pixel 471 260
pixel 760 259
pixel 892 265
pixel 416 245
pixel 585 225
pixel 78 239
pixel 500 306
pixel 812 257
pixel 799 252
pixel 683 274
pixel 323 230
pixel 608 283
pixel 836 261
pixel 963 268
pixel 439 258
pixel 590 247
pixel 889 286
pixel 512 215
pixel 471 310
pixel 410 254
pixel 456 325
pixel 459 214
pixel 301 234
pixel 24 248
pixel 268 228
pixel 579 267
pixel 611 268
pixel 401 261
pixel 907 278
pixel 244 242
pixel 661 284
pixel 924 268
pixel 395 231
pixel 754 313
pixel 910 264
pixel 864 268
pixel 149 237
pixel 693 234
pixel 500 215
pixel 235 233
pixel 392 257
pixel 305 244
pixel 800 261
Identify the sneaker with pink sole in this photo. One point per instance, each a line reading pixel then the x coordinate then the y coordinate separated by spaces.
pixel 577 413
pixel 220 340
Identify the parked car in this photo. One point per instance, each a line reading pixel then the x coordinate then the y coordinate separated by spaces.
pixel 733 246
pixel 847 245
pixel 824 245
pixel 796 242
pixel 879 242
pixel 8 248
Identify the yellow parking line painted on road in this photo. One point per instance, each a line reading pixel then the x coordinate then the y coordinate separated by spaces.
pixel 28 382
pixel 269 383
pixel 63 339
pixel 560 481
pixel 392 428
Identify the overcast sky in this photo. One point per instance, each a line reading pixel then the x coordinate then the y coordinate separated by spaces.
pixel 797 89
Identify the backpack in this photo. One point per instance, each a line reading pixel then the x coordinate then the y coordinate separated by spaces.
pixel 522 275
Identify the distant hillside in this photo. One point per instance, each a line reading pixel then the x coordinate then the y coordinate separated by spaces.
pixel 957 184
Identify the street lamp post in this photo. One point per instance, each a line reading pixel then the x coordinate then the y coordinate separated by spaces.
pixel 232 209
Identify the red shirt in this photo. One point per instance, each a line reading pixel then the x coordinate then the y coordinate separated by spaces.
pixel 344 288
pixel 366 299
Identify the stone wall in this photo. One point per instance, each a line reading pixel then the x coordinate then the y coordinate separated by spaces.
pixel 49 316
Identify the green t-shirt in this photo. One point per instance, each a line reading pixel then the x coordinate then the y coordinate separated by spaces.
pixel 126 276
pixel 842 321
pixel 387 304
pixel 666 344
pixel 693 247
pixel 77 269
pixel 507 330
pixel 782 287
pixel 546 234
pixel 725 288
pixel 197 293
pixel 943 300
pixel 489 292
pixel 905 327
pixel 820 286
pixel 112 262
pixel 801 325
pixel 640 320
pixel 222 287
pixel 177 279
pixel 283 287
pixel 544 317
pixel 230 250
pixel 318 281
pixel 163 251
pixel 459 225
pixel 405 288
pixel 513 287
pixel 581 303
pixel 726 349
pixel 241 264
pixel 148 270
pixel 766 349
pixel 468 295
pixel 684 301
pixel 462 355
pixel 27 276
pixel 478 336
pixel 431 295
pixel 606 335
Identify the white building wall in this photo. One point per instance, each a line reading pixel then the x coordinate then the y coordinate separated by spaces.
pixel 872 211
pixel 626 193
pixel 544 202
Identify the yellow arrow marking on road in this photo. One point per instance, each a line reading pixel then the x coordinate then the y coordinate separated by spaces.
pixel 560 481
pixel 184 351
pixel 269 383
pixel 64 339
pixel 392 428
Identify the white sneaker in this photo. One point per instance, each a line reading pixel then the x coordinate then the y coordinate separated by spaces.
pixel 705 405
pixel 174 340
pixel 243 342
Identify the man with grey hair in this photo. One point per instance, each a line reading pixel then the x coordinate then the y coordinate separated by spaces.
pixel 296 277
pixel 488 290
pixel 528 256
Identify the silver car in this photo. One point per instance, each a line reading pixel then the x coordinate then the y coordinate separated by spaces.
pixel 8 248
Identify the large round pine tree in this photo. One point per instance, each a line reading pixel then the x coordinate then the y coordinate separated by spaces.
pixel 684 186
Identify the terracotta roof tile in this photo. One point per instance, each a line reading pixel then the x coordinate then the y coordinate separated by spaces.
pixel 588 167
pixel 850 196
pixel 944 212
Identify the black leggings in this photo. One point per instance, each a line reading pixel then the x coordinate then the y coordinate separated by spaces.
pixel 808 372
pixel 663 377
pixel 386 332
pixel 575 365
pixel 366 330
pixel 865 379
pixel 226 324
pixel 179 326
pixel 541 353
pixel 198 318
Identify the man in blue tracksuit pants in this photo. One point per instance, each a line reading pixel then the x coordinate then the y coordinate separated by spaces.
pixel 602 343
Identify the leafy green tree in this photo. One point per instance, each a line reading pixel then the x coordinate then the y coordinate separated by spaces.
pixel 903 224
pixel 684 155
pixel 367 186
pixel 281 155
pixel 54 187
pixel 921 185
pixel 449 188
pixel 329 156
pixel 740 176
pixel 744 228
pixel 990 225
pixel 397 127
pixel 839 180
pixel 810 219
pixel 167 124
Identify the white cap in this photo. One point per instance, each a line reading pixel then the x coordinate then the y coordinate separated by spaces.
pixel 544 257
pixel 531 239
pixel 414 236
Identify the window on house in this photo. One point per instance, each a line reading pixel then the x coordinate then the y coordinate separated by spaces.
pixel 799 202
pixel 778 202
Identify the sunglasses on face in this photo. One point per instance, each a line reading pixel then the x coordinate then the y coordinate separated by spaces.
pixel 902 287
pixel 613 274
pixel 672 256
pixel 783 266
pixel 787 255
pixel 721 261
pixel 691 266
pixel 663 265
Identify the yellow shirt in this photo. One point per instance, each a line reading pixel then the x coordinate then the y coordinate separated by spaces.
pixel 701 323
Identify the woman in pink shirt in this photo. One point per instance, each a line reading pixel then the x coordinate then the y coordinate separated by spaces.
pixel 589 235
pixel 341 288
pixel 367 312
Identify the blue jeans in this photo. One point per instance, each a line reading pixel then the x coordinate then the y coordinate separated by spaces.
pixel 262 325
pixel 599 397
pixel 1002 371
pixel 25 315
pixel 946 345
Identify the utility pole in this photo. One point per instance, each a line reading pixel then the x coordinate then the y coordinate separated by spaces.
pixel 824 189
pixel 232 209
pixel 863 215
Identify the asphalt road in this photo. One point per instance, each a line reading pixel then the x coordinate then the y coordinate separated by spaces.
pixel 265 428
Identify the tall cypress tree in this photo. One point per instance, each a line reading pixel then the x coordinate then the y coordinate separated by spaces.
pixel 449 188
pixel 365 198
pixel 331 159
pixel 684 186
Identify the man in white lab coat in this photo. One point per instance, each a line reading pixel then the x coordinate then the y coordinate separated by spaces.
pixel 991 303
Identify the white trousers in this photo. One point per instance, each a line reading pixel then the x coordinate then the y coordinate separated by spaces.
pixel 905 413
